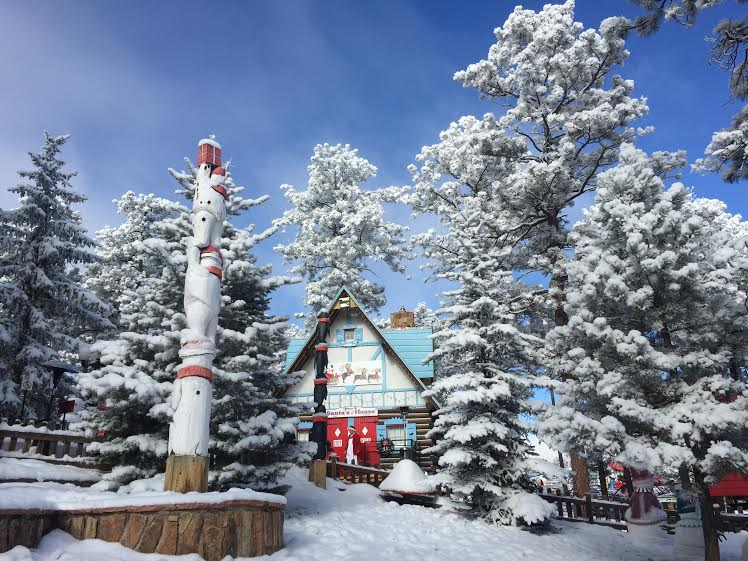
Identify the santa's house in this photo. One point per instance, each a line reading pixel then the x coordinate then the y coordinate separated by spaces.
pixel 375 380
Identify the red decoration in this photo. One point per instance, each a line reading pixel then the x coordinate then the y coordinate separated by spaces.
pixel 214 250
pixel 320 347
pixel 218 171
pixel 221 190
pixel 319 381
pixel 215 271
pixel 323 320
pixel 731 485
pixel 195 370
pixel 208 153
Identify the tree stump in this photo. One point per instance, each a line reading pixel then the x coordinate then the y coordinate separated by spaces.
pixel 186 473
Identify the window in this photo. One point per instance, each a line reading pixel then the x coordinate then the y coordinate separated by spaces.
pixel 302 436
pixel 349 335
pixel 396 433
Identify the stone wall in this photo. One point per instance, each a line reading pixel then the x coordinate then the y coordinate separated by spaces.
pixel 240 528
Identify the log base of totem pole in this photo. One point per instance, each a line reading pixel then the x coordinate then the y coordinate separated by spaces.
pixel 186 473
pixel 318 473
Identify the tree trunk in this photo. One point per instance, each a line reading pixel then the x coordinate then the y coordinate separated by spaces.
pixel 709 521
pixel 685 477
pixel 579 465
pixel 602 474
pixel 629 482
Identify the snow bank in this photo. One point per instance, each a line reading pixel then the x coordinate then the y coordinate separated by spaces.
pixel 16 468
pixel 59 546
pixel 346 522
pixel 50 496
pixel 406 477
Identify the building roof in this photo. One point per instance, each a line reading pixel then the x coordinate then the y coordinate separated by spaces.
pixel 409 346
pixel 413 345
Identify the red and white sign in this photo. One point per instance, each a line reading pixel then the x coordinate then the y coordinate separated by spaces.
pixel 352 412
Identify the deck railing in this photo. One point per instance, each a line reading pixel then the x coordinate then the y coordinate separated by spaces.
pixel 51 445
pixel 612 513
pixel 355 474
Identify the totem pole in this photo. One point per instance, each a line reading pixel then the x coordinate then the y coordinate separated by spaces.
pixel 318 466
pixel 187 463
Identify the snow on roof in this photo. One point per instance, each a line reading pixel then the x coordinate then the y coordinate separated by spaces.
pixel 412 344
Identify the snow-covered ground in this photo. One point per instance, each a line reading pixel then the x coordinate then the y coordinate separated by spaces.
pixel 348 522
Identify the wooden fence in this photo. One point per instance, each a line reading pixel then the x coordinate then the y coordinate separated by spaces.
pixel 611 513
pixel 57 447
pixel 355 474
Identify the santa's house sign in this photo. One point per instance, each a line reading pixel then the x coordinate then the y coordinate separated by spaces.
pixel 352 412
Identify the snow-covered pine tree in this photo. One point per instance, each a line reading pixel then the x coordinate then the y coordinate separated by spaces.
pixel 142 273
pixel 653 355
pixel 484 351
pixel 42 306
pixel 253 426
pixel 481 437
pixel 727 153
pixel 342 230
pixel 567 115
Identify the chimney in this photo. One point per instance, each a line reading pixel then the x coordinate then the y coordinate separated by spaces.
pixel 402 319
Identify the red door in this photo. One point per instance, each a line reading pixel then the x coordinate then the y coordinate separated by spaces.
pixel 337 436
pixel 366 427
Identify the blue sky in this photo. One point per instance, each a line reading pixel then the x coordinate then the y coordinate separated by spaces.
pixel 137 83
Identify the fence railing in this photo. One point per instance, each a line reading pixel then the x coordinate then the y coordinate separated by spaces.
pixel 52 445
pixel 355 474
pixel 612 513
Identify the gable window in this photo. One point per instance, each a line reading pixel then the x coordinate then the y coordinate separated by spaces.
pixel 302 436
pixel 349 335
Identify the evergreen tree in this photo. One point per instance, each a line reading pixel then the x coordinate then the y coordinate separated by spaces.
pixel 654 351
pixel 484 351
pixel 481 439
pixel 567 114
pixel 341 229
pixel 142 272
pixel 252 426
pixel 727 153
pixel 43 307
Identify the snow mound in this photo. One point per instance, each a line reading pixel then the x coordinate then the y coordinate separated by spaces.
pixel 406 477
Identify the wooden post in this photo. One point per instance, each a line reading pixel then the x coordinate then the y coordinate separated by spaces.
pixel 588 505
pixel 333 467
pixel 186 473
pixel 318 473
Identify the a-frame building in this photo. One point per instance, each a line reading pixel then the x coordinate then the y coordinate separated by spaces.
pixel 376 379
